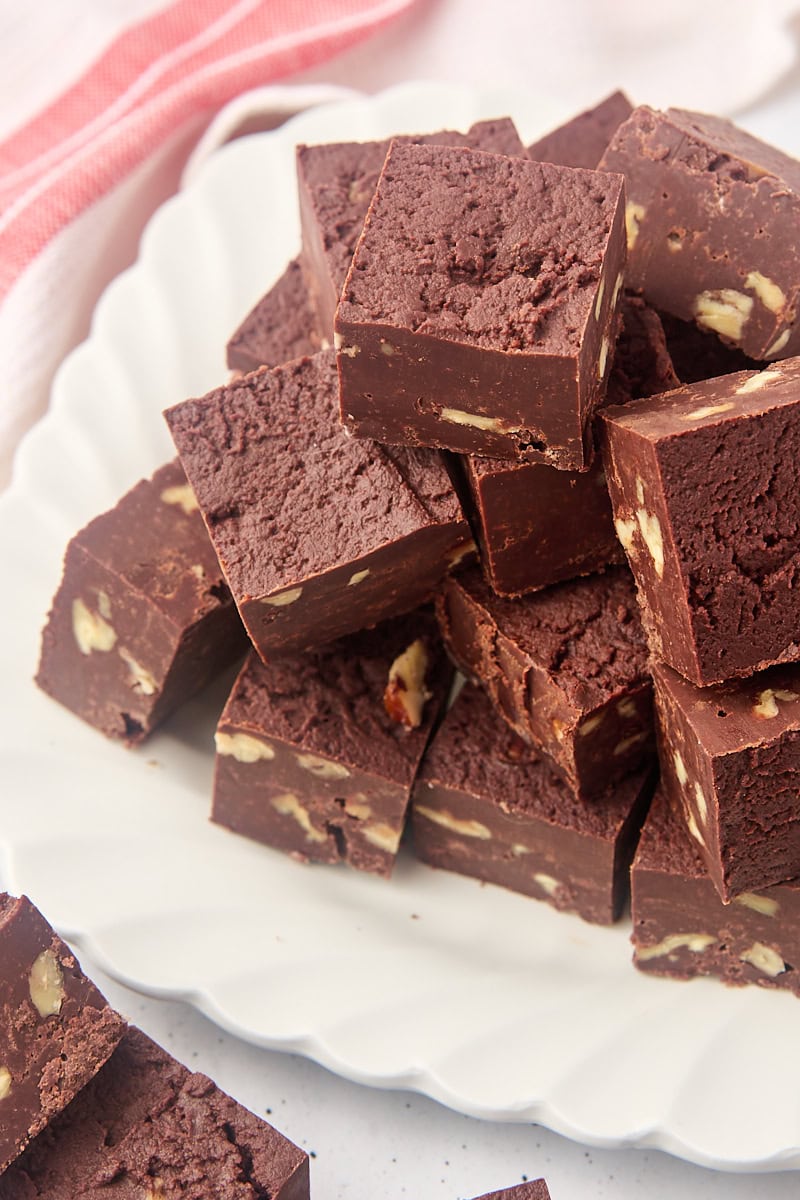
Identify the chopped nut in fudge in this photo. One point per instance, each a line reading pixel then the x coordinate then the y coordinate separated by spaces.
pixel 713 221
pixel 582 141
pixel 316 755
pixel 143 618
pixel 703 482
pixel 479 312
pixel 57 1030
pixel 566 667
pixel 730 762
pixel 487 804
pixel 681 928
pixel 282 326
pixel 318 534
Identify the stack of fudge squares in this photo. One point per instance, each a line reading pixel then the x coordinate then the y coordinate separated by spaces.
pixel 528 413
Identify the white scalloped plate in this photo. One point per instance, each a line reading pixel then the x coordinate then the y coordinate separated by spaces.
pixel 489 1002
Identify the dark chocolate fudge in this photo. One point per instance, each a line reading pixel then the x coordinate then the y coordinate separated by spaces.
pixel 146 1128
pixel 703 482
pixel 713 220
pixel 681 927
pixel 730 762
pixel 488 805
pixel 699 354
pixel 566 668
pixel 318 534
pixel 56 1030
pixel 316 754
pixel 536 525
pixel 582 141
pixel 143 618
pixel 535 1190
pixel 336 183
pixel 479 312
pixel 282 326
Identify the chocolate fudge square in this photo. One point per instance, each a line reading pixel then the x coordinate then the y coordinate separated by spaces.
pixel 336 183
pixel 283 325
pixel 318 534
pixel 146 1128
pixel 681 927
pixel 536 525
pixel 713 220
pixel 566 668
pixel 57 1030
pixel 582 141
pixel 479 312
pixel 316 755
pixel 703 482
pixel 730 761
pixel 536 1189
pixel 143 618
pixel 488 805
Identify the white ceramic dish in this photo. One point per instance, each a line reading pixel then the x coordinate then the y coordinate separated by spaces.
pixel 489 1002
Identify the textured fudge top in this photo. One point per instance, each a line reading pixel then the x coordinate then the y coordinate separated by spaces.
pixel 475 752
pixel 642 363
pixel 586 631
pixel 282 326
pixel 342 178
pixel 154 540
pixel 495 252
pixel 148 1129
pixel 535 1190
pixel 285 492
pixel 666 845
pixel 581 141
pixel 703 138
pixel 729 717
pixel 330 701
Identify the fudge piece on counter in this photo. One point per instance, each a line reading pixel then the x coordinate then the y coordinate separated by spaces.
pixel 699 354
pixel 703 483
pixel 318 534
pixel 681 927
pixel 282 326
pixel 146 1128
pixel 495 339
pixel 487 804
pixel 57 1030
pixel 536 1189
pixel 582 141
pixel 536 525
pixel 336 183
pixel 316 754
pixel 730 762
pixel 566 667
pixel 143 618
pixel 713 219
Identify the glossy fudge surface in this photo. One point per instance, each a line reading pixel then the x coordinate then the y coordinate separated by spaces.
pixel 681 927
pixel 494 340
pixel 282 326
pixel 146 1128
pixel 143 617
pixel 336 182
pixel 566 667
pixel 713 219
pixel 317 758
pixel 318 534
pixel 582 141
pixel 56 1029
pixel 703 482
pixel 488 805
pixel 730 758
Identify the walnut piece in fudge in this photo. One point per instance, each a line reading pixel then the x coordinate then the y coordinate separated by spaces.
pixel 318 534
pixel 336 182
pixel 146 1128
pixel 316 755
pixel 536 1189
pixel 566 667
pixel 713 220
pixel 730 762
pixel 143 618
pixel 703 482
pixel 497 338
pixel 582 141
pixel 282 326
pixel 57 1030
pixel 488 805
pixel 681 927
